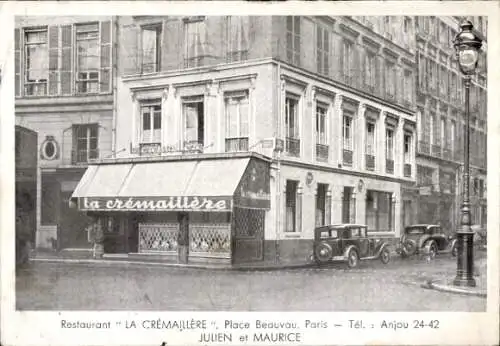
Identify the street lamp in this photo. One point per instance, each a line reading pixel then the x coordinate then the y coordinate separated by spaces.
pixel 467 46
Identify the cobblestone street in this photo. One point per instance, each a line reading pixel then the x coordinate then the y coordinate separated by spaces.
pixel 371 287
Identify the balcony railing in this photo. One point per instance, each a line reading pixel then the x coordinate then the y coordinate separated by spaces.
pixel 82 157
pixel 447 154
pixel 436 150
pixel 370 162
pixel 322 152
pixel 347 157
pixel 292 146
pixel 389 166
pixel 237 144
pixel 424 147
pixel 407 170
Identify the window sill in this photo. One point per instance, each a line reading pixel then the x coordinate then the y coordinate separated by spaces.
pixel 292 235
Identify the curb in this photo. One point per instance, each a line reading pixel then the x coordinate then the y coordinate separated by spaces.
pixel 450 289
pixel 169 265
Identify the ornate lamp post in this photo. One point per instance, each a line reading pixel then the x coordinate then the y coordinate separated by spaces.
pixel 467 46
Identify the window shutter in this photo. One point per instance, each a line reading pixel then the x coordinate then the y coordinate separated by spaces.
pixel 53 60
pixel 379 77
pixel 172 45
pixel 355 66
pixel 106 56
pixel 298 210
pixel 340 57
pixel 17 61
pixel 361 66
pixel 328 207
pixel 66 59
pixel 74 143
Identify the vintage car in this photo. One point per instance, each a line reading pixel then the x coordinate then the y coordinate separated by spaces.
pixel 347 243
pixel 427 240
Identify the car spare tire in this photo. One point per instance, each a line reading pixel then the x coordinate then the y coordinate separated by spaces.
pixel 409 247
pixel 323 252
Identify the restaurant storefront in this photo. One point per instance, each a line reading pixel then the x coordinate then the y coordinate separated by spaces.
pixel 200 210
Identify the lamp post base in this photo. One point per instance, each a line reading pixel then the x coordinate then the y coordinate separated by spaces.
pixel 464 282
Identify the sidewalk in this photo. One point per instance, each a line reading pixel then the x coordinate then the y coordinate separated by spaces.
pixel 86 257
pixel 446 284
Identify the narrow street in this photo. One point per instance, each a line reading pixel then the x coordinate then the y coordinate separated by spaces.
pixel 371 287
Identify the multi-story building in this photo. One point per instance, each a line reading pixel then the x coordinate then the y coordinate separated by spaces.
pixel 64 75
pixel 441 109
pixel 242 134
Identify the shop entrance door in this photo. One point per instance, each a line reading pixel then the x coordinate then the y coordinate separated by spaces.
pixel 183 241
pixel 248 235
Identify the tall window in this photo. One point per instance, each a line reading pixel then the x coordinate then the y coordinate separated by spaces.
pixel 407 153
pixel 453 128
pixel 291 213
pixel 443 81
pixel 236 120
pixel 347 60
pixel 194 122
pixel 370 138
pixel 197 41
pixel 88 60
pixel 37 62
pixel 151 48
pixel 389 150
pixel 322 50
pixel 321 121
pixel 432 126
pixel 347 139
pixel 389 143
pixel 408 86
pixel 370 68
pixel 390 79
pixel 85 143
pixel 293 39
pixel 443 34
pixel 444 133
pixel 370 146
pixel 238 41
pixel 292 145
pixel 321 204
pixel 151 122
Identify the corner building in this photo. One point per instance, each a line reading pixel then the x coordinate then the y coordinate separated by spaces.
pixel 236 136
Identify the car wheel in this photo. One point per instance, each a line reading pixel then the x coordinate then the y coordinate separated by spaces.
pixel 409 248
pixel 432 250
pixel 385 256
pixel 454 250
pixel 352 258
pixel 324 252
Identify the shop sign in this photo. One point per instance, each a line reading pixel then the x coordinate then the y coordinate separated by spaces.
pixel 173 203
pixel 146 149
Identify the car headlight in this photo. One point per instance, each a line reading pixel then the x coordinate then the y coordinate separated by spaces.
pixel 323 252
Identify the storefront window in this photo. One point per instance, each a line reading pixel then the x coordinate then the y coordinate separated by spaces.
pixel 321 204
pixel 379 211
pixel 291 206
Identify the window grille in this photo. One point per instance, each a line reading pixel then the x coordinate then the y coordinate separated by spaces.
pixel 158 237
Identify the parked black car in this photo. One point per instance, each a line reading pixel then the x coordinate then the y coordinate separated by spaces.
pixel 426 239
pixel 347 243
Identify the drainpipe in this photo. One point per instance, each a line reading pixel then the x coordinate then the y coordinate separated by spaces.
pixel 114 61
pixel 278 172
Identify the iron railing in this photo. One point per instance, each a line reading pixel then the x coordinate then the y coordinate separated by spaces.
pixel 82 157
pixel 292 146
pixel 407 170
pixel 424 147
pixel 237 144
pixel 389 166
pixel 370 162
pixel 322 152
pixel 347 157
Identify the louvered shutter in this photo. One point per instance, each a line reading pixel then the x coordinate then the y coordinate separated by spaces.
pixel 106 56
pixel 172 45
pixel 355 66
pixel 17 61
pixel 66 59
pixel 53 60
pixel 362 65
pixel 379 77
